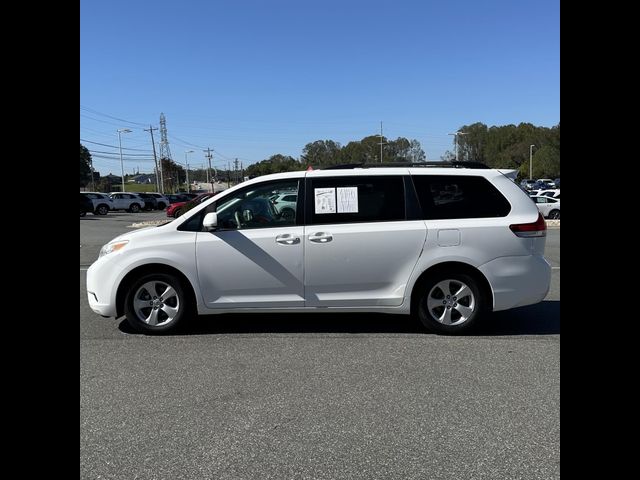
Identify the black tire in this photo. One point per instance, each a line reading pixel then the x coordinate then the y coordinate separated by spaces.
pixel 102 209
pixel 554 214
pixel 288 214
pixel 182 303
pixel 477 301
pixel 162 206
pixel 177 213
pixel 134 208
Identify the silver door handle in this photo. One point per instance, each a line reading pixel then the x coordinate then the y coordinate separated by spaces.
pixel 287 239
pixel 321 237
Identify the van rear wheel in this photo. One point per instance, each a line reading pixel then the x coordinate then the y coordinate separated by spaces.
pixel 451 303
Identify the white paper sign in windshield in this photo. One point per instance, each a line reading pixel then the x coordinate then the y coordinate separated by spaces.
pixel 347 199
pixel 325 200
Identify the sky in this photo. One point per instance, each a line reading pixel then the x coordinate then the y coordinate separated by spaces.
pixel 251 79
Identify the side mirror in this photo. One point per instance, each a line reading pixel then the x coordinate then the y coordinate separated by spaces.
pixel 210 221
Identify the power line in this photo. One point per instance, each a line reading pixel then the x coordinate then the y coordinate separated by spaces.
pixel 115 146
pixel 186 143
pixel 148 155
pixel 109 116
pixel 98 120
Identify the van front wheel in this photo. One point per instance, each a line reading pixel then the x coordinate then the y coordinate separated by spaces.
pixel 156 303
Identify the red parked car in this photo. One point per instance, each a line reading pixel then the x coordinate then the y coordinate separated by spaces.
pixel 176 209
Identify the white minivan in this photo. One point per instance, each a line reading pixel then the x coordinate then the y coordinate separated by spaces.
pixel 446 244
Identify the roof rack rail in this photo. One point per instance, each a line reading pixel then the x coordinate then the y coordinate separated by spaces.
pixel 443 164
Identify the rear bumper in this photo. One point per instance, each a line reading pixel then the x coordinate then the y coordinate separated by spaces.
pixel 517 281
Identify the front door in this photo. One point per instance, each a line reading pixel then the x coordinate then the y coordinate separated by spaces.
pixel 255 257
pixel 118 202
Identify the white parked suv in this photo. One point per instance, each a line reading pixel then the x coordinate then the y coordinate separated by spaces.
pixel 127 201
pixel 286 203
pixel 549 207
pixel 102 203
pixel 444 244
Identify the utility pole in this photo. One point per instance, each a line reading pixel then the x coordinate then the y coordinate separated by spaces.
pixel 455 140
pixel 228 175
pixel 381 142
pixel 531 161
pixel 186 163
pixel 235 170
pixel 155 159
pixel 241 172
pixel 209 177
pixel 93 186
pixel 122 130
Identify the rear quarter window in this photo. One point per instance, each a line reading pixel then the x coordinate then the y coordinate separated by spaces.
pixel 456 196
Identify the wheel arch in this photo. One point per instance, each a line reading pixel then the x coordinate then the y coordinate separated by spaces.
pixel 141 270
pixel 450 266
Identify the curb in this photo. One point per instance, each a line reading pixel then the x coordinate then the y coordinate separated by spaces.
pixel 150 223
pixel 553 223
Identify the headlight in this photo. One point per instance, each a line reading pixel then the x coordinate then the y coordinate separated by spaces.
pixel 112 247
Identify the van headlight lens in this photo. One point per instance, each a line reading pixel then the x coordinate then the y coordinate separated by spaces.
pixel 112 247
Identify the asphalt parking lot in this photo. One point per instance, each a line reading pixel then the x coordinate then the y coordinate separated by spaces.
pixel 318 396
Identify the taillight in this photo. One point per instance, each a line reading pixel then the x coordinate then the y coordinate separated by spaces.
pixel 528 230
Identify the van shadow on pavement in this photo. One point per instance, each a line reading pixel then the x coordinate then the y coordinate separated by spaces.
pixel 540 319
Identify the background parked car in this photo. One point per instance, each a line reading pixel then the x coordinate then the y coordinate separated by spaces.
pixel 549 207
pixel 285 204
pixel 555 193
pixel 86 205
pixel 150 202
pixel 527 183
pixel 101 202
pixel 545 183
pixel 127 201
pixel 162 202
pixel 191 196
pixel 177 197
pixel 177 209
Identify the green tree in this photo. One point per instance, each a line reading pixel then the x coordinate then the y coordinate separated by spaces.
pixel 173 175
pixel 448 156
pixel 85 166
pixel 320 153
pixel 274 164
pixel 472 143
pixel 546 163
pixel 415 153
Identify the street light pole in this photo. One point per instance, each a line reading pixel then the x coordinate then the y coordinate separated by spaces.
pixel 455 140
pixel 531 161
pixel 122 130
pixel 187 165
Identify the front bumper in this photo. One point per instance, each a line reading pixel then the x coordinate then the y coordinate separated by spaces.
pixel 101 291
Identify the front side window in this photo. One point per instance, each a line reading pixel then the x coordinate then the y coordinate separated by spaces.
pixel 253 207
pixel 355 199
pixel 456 196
